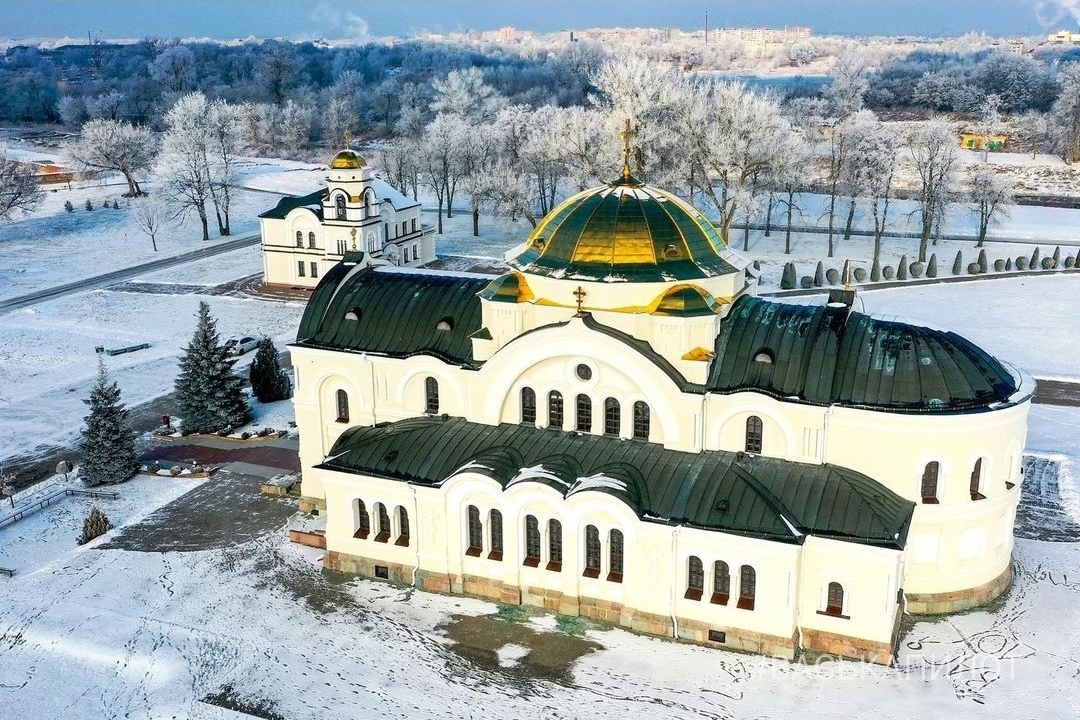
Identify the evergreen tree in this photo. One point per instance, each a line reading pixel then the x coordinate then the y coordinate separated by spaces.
pixel 875 270
pixel 209 396
pixel 269 381
pixel 95 525
pixel 984 266
pixel 108 444
pixel 931 267
pixel 819 274
pixel 787 280
pixel 958 263
pixel 902 268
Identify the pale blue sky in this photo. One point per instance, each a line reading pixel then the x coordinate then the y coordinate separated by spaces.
pixel 333 19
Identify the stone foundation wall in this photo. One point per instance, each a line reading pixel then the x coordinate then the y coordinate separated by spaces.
pixel 394 572
pixel 950 602
pixel 846 646
pixel 311 539
pixel 738 639
pixel 309 504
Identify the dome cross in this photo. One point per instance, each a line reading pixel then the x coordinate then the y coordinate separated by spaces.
pixel 627 135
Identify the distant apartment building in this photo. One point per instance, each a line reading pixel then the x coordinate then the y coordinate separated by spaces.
pixel 1063 37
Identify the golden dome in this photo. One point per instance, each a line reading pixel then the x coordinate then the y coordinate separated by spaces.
pixel 626 231
pixel 347 160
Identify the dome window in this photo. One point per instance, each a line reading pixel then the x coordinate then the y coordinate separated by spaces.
pixel 445 325
pixel 671 252
pixel 583 371
pixel 764 356
pixel 539 243
pixel 354 314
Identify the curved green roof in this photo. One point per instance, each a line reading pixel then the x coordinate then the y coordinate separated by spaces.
pixel 393 311
pixel 828 355
pixel 747 495
pixel 285 205
pixel 625 231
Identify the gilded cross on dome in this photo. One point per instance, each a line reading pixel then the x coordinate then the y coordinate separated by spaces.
pixel 348 140
pixel 627 134
pixel 580 295
pixel 353 233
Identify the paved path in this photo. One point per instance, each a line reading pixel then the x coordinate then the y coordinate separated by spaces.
pixel 280 454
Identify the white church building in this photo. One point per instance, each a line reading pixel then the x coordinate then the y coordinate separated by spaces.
pixel 618 428
pixel 303 237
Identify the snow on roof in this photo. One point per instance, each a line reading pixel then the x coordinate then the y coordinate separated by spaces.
pixel 536 472
pixel 599 481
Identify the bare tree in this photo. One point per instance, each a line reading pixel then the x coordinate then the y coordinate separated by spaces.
pixel 933 151
pixel 150 216
pixel 19 189
pixel 990 197
pixel 112 146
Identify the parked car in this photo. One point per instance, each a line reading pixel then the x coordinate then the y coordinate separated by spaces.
pixel 239 346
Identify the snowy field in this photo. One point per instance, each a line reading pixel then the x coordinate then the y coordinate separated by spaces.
pixel 126 627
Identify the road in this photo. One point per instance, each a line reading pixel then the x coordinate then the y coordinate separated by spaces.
pixel 100 281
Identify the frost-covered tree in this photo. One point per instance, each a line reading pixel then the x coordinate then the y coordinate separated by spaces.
pixel 184 163
pixel 844 94
pixel 1066 112
pixel 439 157
pixel 108 443
pixel 224 144
pixel 269 381
pixel 990 197
pixel 19 188
pixel 149 216
pixel 107 106
pixel 934 154
pixel 112 146
pixel 869 166
pixel 72 110
pixel 209 395
pixel 297 120
pixel 464 94
pixel 989 123
pixel 174 69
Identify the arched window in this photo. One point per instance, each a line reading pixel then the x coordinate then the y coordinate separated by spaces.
pixel 475 532
pixel 311 239
pixel 431 395
pixel 612 417
pixel 721 583
pixel 532 541
pixel 554 545
pixel 753 434
pixel 929 482
pixel 361 520
pixel 342 406
pixel 384 523
pixel 592 552
pixel 555 409
pixel 339 205
pixel 528 406
pixel 403 527
pixel 584 413
pixel 641 420
pixel 834 601
pixel 299 239
pixel 747 587
pixel 615 556
pixel 695 578
pixel 495 528
pixel 976 481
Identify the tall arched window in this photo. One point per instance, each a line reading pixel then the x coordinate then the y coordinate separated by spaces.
pixel 592 552
pixel 311 239
pixel 555 409
pixel 475 532
pixel 403 527
pixel 615 556
pixel 584 413
pixel 384 523
pixel 339 206
pixel 641 420
pixel 532 541
pixel 299 239
pixel 929 482
pixel 495 528
pixel 554 545
pixel 361 520
pixel 695 578
pixel 834 601
pixel 342 406
pixel 612 417
pixel 431 395
pixel 753 434
pixel 747 587
pixel 976 481
pixel 721 583
pixel 528 406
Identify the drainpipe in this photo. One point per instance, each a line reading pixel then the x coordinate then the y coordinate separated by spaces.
pixel 825 434
pixel 416 523
pixel 371 374
pixel 672 584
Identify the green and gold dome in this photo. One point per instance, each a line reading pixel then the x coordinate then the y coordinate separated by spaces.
pixel 626 231
pixel 347 160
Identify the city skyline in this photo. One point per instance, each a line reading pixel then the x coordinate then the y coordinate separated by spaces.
pixel 359 21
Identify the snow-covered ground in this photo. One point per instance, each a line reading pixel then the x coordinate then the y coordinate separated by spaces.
pixel 121 627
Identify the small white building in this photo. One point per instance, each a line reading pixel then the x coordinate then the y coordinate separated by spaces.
pixel 618 428
pixel 303 237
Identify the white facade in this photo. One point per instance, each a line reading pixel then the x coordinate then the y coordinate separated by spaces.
pixel 304 237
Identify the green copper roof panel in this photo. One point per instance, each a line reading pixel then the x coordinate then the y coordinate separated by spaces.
pixel 826 355
pixel 759 497
pixel 394 312
pixel 288 204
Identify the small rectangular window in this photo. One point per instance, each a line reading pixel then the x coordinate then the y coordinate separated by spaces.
pixel 382 572
pixel 300 267
pixel 718 636
pixel 314 269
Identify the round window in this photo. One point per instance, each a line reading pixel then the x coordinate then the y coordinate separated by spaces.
pixel 584 371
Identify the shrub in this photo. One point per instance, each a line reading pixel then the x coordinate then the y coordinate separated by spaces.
pixel 875 270
pixel 1021 263
pixel 916 269
pixel 95 525
pixel 973 268
pixel 1033 263
pixel 901 268
pixel 887 272
pixel 68 206
pixel 819 274
pixel 958 263
pixel 1048 263
pixel 931 267
pixel 89 205
pixel 787 280
pixel 175 470
pixel 1008 264
pixel 860 274
pixel 1069 262
pixel 245 435
pixel 832 275
pixel 806 281
pixel 999 265
pixel 983 267
pixel 1056 256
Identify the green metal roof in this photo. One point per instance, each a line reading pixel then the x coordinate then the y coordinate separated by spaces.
pixel 730 492
pixel 826 355
pixel 625 231
pixel 393 311
pixel 288 204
